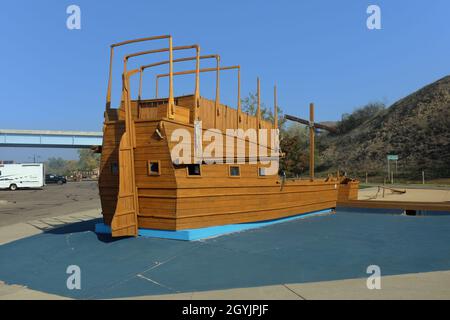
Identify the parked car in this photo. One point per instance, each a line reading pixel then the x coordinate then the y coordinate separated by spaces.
pixel 53 178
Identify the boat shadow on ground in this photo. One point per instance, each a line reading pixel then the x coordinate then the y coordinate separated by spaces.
pixel 79 227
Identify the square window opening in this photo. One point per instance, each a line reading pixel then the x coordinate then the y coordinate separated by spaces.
pixel 262 172
pixel 154 168
pixel 235 171
pixel 194 170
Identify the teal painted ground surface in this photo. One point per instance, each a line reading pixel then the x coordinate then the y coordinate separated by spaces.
pixel 319 248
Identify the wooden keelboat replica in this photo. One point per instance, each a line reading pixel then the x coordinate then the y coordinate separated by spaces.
pixel 153 176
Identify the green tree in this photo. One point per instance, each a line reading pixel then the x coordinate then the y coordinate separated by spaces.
pixel 294 144
pixel 359 116
pixel 88 160
pixel 56 166
pixel 249 105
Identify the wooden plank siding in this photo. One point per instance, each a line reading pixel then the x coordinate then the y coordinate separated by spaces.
pixel 348 191
pixel 108 181
pixel 172 200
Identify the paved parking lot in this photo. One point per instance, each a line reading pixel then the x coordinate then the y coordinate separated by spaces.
pixel 51 201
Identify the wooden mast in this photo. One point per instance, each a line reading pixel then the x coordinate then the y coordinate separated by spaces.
pixel 216 105
pixel 311 141
pixel 258 110
pixel 275 108
pixel 312 127
pixel 171 104
pixel 239 111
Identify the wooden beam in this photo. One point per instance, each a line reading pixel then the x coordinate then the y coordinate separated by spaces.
pixel 306 122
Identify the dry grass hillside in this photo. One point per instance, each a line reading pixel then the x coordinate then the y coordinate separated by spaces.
pixel 416 128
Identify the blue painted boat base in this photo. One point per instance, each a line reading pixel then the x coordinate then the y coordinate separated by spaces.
pixel 209 232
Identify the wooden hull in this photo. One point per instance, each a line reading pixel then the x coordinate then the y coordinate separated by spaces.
pixel 212 206
pixel 174 201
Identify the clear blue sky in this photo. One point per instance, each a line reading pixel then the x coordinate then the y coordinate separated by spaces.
pixel 316 51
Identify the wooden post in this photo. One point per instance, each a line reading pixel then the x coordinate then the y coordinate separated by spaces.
pixel 258 110
pixel 108 93
pixel 275 108
pixel 423 177
pixel 389 170
pixel 367 178
pixel 239 115
pixel 140 83
pixel 217 104
pixel 311 141
pixel 197 84
pixel 171 106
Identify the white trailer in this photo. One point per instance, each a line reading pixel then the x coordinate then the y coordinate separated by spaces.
pixel 25 175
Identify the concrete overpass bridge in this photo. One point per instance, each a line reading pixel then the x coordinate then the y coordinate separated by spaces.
pixel 50 139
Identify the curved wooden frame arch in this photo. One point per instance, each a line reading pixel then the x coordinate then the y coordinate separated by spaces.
pixel 111 58
pixel 217 69
pixel 197 89
pixel 171 103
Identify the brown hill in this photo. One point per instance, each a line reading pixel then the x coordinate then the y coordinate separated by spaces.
pixel 416 128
